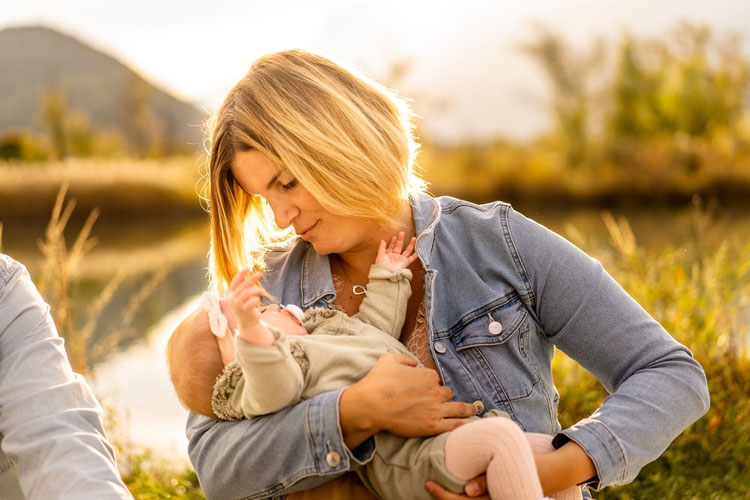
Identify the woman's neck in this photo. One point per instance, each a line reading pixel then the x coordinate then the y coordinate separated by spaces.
pixel 356 262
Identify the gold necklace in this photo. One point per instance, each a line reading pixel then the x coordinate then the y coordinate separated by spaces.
pixel 356 289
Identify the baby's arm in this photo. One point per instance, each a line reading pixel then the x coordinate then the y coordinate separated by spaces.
pixel 389 288
pixel 271 378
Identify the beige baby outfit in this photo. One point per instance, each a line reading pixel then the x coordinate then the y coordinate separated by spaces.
pixel 338 352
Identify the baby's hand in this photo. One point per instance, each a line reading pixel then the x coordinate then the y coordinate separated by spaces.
pixel 392 258
pixel 244 298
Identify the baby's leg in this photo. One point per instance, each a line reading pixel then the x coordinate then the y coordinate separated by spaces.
pixel 541 444
pixel 499 447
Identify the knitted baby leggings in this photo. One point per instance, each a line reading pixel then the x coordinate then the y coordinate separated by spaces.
pixel 499 447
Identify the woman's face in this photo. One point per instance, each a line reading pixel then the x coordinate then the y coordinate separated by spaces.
pixel 293 205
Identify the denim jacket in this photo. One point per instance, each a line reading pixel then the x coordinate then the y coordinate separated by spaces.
pixel 501 291
pixel 52 441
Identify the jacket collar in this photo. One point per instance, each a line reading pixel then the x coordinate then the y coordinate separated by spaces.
pixel 426 212
pixel 316 281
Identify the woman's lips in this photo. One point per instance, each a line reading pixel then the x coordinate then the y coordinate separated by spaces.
pixel 306 232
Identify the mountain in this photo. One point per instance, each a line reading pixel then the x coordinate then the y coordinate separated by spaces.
pixel 36 59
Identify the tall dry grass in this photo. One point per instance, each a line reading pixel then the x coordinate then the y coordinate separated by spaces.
pixel 60 264
pixel 700 292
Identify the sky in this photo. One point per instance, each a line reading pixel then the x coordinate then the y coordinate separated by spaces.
pixel 468 76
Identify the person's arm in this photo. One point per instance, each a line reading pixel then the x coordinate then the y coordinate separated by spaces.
pixel 384 306
pixel 657 388
pixel 388 287
pixel 50 421
pixel 270 379
pixel 294 449
pixel 302 446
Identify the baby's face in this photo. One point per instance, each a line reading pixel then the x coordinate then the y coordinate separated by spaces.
pixel 283 319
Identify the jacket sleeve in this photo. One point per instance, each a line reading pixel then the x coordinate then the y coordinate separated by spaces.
pixel 656 387
pixel 303 442
pixel 270 379
pixel 49 419
pixel 384 306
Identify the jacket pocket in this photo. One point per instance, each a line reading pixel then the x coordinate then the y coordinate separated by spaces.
pixel 493 344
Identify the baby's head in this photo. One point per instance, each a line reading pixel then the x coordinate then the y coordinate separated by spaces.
pixel 194 362
pixel 287 319
pixel 194 358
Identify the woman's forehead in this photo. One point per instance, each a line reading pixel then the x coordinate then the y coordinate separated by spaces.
pixel 254 172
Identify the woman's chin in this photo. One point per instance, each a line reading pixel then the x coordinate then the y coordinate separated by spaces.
pixel 321 249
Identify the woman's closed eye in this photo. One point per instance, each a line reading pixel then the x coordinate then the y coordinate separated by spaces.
pixel 289 185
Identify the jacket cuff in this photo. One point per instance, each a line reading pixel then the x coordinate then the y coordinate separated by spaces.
pixel 602 446
pixel 331 453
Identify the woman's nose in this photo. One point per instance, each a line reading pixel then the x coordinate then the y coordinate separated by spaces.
pixel 283 213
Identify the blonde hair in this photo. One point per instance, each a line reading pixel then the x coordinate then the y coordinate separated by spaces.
pixel 194 363
pixel 347 139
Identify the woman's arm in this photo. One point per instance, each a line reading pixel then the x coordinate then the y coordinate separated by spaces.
pixel 294 449
pixel 302 446
pixel 657 388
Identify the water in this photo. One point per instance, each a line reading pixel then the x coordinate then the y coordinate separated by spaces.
pixel 133 379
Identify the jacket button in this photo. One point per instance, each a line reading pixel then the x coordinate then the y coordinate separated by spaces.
pixel 333 459
pixel 440 347
pixel 479 406
pixel 495 328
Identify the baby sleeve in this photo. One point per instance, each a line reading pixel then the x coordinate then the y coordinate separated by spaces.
pixel 384 306
pixel 262 380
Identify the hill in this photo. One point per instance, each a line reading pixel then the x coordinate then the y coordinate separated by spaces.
pixel 36 59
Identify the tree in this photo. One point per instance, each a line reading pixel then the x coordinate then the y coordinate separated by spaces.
pixel 569 73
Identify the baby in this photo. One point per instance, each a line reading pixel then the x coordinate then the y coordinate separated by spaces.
pixel 284 356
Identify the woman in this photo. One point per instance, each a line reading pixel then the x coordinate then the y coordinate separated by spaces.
pixel 305 146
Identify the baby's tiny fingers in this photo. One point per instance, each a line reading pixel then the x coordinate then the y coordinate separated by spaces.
pixel 410 247
pixel 391 244
pixel 238 279
pixel 399 242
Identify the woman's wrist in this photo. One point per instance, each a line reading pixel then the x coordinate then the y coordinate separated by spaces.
pixel 356 417
pixel 567 466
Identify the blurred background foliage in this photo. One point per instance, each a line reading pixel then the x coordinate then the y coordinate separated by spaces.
pixel 636 122
pixel 641 120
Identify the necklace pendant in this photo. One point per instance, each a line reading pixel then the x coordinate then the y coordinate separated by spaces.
pixel 359 290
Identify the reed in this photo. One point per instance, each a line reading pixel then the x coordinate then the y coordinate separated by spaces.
pixel 60 265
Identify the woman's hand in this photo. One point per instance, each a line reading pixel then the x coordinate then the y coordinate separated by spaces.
pixel 476 489
pixel 401 398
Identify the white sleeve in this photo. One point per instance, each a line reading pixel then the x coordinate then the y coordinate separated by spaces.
pixel 49 418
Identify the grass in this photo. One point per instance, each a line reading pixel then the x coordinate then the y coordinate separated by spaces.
pixel 702 297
